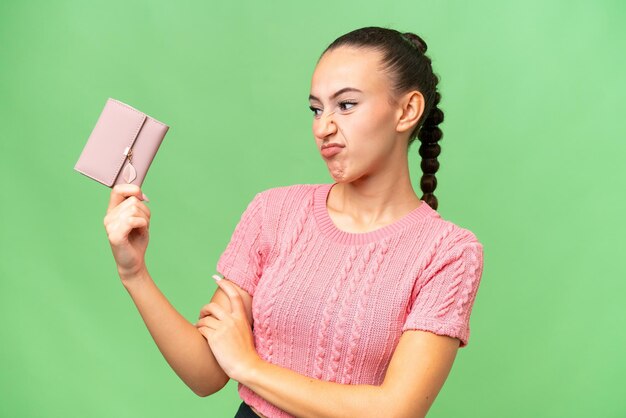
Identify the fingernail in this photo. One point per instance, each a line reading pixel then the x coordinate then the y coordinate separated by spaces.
pixel 216 277
pixel 145 197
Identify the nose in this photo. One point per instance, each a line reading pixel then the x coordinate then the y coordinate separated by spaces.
pixel 324 126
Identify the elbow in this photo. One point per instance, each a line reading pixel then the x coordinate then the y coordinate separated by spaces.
pixel 201 393
pixel 208 390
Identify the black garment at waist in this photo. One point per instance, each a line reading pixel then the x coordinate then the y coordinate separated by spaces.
pixel 245 411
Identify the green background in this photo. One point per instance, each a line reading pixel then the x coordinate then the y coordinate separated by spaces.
pixel 532 162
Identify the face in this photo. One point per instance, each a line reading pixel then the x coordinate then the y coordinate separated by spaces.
pixel 350 104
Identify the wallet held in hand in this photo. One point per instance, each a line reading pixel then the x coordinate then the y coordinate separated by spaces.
pixel 121 146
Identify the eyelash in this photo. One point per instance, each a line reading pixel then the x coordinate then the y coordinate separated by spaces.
pixel 345 102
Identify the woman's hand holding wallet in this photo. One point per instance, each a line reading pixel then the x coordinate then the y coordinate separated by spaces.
pixel 127 222
pixel 118 154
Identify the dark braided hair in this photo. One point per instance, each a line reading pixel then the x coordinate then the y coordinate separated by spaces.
pixel 405 60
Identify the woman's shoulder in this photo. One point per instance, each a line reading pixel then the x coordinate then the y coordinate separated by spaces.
pixel 449 233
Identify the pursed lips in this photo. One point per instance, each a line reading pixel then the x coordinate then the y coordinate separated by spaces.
pixel 332 144
pixel 330 150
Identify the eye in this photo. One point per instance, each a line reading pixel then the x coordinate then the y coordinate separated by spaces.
pixel 314 109
pixel 346 102
pixel 342 106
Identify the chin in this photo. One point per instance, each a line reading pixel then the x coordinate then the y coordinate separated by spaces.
pixel 345 171
pixel 338 175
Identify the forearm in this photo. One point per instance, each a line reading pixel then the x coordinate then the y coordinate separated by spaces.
pixel 303 396
pixel 180 342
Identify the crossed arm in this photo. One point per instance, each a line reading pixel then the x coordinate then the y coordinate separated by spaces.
pixel 417 371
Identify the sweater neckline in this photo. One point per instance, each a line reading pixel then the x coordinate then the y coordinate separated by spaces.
pixel 328 227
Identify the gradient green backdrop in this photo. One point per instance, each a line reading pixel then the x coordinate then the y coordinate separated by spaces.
pixel 532 162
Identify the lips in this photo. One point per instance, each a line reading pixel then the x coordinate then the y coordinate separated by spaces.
pixel 329 150
pixel 332 144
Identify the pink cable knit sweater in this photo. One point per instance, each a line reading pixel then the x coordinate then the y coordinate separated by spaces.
pixel 331 304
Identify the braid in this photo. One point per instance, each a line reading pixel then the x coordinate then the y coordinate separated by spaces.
pixel 428 132
pixel 429 150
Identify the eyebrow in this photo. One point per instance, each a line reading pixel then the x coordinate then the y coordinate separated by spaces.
pixel 337 93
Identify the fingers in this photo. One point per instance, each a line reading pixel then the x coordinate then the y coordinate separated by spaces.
pixel 118 232
pixel 236 303
pixel 206 332
pixel 213 309
pixel 120 192
pixel 132 203
pixel 130 213
pixel 207 321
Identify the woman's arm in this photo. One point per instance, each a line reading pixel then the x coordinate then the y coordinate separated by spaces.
pixel 417 371
pixel 182 345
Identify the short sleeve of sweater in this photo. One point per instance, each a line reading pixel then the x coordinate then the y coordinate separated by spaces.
pixel 448 289
pixel 243 258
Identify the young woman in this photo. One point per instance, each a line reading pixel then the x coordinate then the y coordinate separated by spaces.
pixel 343 299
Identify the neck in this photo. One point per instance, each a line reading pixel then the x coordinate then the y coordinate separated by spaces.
pixel 373 201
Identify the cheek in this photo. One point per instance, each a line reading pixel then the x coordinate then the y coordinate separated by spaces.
pixel 381 113
pixel 371 128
